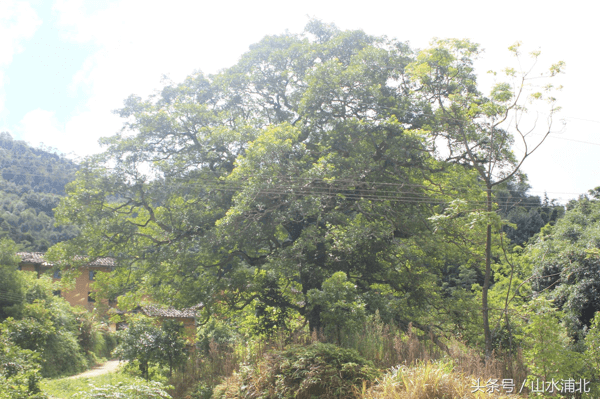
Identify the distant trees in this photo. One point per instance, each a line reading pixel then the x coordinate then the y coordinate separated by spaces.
pixel 566 260
pixel 31 184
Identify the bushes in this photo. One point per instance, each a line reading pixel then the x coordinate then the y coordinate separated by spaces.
pixel 66 339
pixel 315 371
pixel 19 370
pixel 343 311
pixel 62 355
pixel 48 327
pixel 547 345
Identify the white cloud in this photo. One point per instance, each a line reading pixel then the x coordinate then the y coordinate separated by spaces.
pixel 18 21
pixel 40 126
pixel 140 41
pixel 76 137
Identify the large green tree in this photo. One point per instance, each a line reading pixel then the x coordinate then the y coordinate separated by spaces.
pixel 314 154
pixel 257 184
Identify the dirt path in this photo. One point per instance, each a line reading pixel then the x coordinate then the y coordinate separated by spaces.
pixel 108 367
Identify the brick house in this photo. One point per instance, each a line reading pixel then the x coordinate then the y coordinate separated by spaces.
pixel 80 294
pixel 185 316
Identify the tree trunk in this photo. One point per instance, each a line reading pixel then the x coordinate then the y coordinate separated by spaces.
pixel 486 281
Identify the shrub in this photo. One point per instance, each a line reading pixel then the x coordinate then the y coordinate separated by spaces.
pixel 62 355
pixel 301 372
pixel 19 370
pixel 147 343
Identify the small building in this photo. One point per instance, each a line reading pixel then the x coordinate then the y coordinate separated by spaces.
pixel 185 316
pixel 80 295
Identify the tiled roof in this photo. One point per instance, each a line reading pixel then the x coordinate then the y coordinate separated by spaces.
pixel 32 257
pixel 38 258
pixel 157 311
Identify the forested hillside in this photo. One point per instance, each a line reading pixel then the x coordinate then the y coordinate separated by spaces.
pixel 31 185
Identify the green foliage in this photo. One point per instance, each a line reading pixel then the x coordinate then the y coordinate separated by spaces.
pixel 31 184
pixel 19 370
pixel 566 262
pixel 304 159
pixel 49 331
pixel 219 334
pixel 148 390
pixel 525 214
pixel 48 325
pixel 202 391
pixel 112 385
pixel 343 311
pixel 591 355
pixel 147 343
pixel 308 179
pixel 12 289
pixel 139 342
pixel 171 346
pixel 547 352
pixel 303 372
pixel 95 340
pixel 592 344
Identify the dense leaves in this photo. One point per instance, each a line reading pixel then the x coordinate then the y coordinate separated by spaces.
pixel 19 370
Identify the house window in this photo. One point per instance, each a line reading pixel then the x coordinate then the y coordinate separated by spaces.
pixel 57 274
pixel 90 299
pixel 56 293
pixel 92 275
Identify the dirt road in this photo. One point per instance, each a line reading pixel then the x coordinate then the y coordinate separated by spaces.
pixel 108 367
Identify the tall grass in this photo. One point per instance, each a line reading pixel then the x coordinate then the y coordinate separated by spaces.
pixel 388 346
pixel 451 364
pixel 427 380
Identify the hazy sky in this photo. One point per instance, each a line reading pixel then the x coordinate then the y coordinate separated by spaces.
pixel 66 64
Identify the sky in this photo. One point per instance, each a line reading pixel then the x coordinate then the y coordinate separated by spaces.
pixel 65 65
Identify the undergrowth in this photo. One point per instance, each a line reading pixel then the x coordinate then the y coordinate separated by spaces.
pixel 300 372
pixel 428 380
pixel 286 364
pixel 66 388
